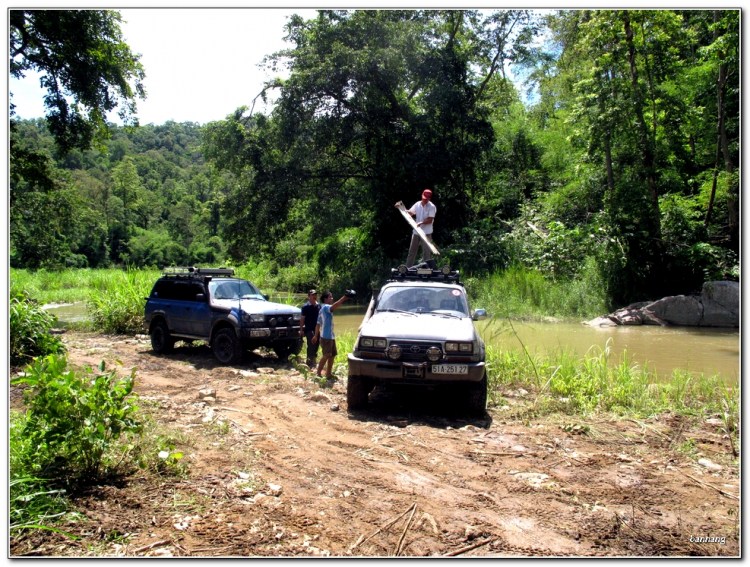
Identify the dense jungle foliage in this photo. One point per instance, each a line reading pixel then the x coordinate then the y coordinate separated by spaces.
pixel 615 159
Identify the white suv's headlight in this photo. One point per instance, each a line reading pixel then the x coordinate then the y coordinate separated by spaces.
pixel 253 317
pixel 369 342
pixel 297 316
pixel 459 347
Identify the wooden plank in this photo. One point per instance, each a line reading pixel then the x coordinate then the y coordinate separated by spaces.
pixel 413 224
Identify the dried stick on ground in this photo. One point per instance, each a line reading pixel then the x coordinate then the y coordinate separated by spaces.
pixel 406 528
pixel 468 548
pixel 719 490
pixel 237 410
pixel 151 546
pixel 385 526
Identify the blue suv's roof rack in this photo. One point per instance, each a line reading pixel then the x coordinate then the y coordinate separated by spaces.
pixel 192 271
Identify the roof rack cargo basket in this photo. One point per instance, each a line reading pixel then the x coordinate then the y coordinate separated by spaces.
pixel 425 271
pixel 193 271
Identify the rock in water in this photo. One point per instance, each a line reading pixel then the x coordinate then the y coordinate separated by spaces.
pixel 678 310
pixel 721 304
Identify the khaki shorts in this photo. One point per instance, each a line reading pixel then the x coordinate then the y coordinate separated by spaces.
pixel 328 346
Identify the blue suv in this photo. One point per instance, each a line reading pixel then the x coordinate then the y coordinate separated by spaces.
pixel 228 313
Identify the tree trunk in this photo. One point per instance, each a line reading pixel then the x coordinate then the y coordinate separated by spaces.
pixel 723 149
pixel 647 151
pixel 610 174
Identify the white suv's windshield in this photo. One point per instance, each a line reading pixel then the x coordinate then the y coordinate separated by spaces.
pixel 233 289
pixel 423 300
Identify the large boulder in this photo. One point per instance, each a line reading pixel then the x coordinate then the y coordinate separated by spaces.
pixel 717 306
pixel 721 304
pixel 683 310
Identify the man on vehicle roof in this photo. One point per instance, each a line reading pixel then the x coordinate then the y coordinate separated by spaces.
pixel 424 213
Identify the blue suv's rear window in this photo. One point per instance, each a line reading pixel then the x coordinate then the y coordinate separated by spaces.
pixel 163 289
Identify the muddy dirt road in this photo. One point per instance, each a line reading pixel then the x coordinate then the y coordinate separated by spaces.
pixel 276 466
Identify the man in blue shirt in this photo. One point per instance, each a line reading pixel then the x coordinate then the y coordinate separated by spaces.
pixel 324 331
pixel 308 321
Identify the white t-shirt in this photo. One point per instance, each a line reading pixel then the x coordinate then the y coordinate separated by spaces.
pixel 423 213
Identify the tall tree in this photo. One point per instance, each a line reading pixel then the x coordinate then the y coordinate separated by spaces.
pixel 723 55
pixel 80 54
pixel 378 106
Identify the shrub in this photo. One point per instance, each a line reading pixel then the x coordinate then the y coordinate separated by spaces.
pixel 116 306
pixel 73 419
pixel 32 502
pixel 29 330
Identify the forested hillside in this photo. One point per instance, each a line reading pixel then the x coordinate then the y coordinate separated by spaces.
pixel 148 200
pixel 621 165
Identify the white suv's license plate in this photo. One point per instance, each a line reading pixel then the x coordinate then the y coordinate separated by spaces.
pixel 450 369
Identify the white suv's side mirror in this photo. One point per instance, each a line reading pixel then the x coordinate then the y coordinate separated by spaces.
pixel 479 314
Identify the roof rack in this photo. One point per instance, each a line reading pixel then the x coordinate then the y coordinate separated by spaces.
pixel 192 271
pixel 425 272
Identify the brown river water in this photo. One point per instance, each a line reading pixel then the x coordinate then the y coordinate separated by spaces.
pixel 661 349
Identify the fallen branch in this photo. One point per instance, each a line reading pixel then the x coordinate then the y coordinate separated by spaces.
pixel 468 548
pixel 719 490
pixel 385 526
pixel 647 426
pixel 406 528
pixel 238 426
pixel 631 528
pixel 237 410
pixel 356 543
pixel 210 548
pixel 151 546
pixel 519 454
pixel 178 546
pixel 374 460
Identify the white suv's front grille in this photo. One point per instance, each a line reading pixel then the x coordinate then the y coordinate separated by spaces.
pixel 415 351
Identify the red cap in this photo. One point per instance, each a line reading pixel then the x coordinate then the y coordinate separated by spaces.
pixel 427 194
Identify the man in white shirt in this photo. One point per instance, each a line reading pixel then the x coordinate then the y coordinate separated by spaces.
pixel 424 213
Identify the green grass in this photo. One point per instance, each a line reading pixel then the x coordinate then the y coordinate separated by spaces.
pixel 71 285
pixel 33 504
pixel 521 293
pixel 117 300
pixel 562 382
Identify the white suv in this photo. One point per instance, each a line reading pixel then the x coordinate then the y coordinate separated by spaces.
pixel 419 330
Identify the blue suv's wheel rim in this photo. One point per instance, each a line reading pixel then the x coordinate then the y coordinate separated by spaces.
pixel 158 338
pixel 224 348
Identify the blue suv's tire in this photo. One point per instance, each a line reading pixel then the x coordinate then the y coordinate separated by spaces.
pixel 227 347
pixel 161 339
pixel 283 350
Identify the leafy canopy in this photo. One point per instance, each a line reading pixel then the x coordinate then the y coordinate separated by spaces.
pixel 82 57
